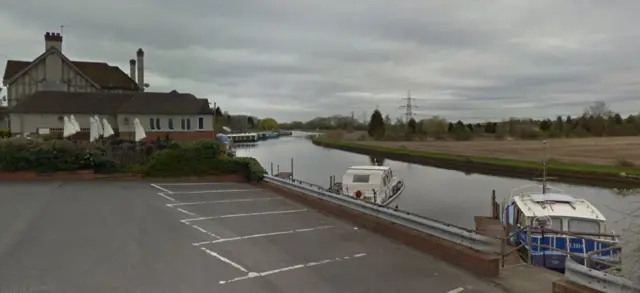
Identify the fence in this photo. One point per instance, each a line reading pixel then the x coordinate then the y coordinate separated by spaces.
pixel 452 233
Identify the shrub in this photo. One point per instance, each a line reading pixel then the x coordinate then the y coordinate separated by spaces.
pixel 199 159
pixel 22 154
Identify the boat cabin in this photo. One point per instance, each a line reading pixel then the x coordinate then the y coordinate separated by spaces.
pixel 370 181
pixel 566 212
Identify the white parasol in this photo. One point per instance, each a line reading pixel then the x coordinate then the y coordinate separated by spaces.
pixel 139 130
pixel 67 128
pixel 93 129
pixel 99 124
pixel 76 126
pixel 108 131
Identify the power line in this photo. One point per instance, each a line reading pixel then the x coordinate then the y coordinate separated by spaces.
pixel 408 106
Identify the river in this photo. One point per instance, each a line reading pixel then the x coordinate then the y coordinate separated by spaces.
pixel 450 196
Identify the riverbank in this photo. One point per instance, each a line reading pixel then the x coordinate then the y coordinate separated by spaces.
pixel 570 172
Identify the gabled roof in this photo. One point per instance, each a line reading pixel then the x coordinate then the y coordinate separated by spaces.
pixel 60 102
pixel 102 75
pixel 165 103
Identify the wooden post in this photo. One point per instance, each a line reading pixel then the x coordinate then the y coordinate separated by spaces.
pixel 271 168
pixel 291 167
pixel 278 169
pixel 493 204
pixel 503 245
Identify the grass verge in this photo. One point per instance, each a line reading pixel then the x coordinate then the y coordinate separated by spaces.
pixel 565 168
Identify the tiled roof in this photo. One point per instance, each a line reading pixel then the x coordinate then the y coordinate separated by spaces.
pixel 59 102
pixel 105 75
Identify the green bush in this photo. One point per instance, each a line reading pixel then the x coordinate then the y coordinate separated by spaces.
pixel 201 158
pixel 22 154
pixel 4 133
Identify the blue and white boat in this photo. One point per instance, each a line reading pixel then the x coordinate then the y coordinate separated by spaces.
pixel 560 221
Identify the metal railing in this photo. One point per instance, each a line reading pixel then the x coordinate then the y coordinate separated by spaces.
pixel 598 280
pixel 452 233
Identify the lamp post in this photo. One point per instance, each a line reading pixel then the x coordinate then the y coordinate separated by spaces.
pixel 214 118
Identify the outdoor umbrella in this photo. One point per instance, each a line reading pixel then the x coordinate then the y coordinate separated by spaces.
pixel 108 131
pixel 76 126
pixel 93 129
pixel 139 130
pixel 67 128
pixel 99 125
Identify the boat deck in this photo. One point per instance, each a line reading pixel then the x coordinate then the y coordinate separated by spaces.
pixel 516 276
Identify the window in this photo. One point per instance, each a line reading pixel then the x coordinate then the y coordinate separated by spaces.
pixel 200 123
pixel 152 124
pixel 188 124
pixel 583 226
pixel 170 123
pixel 183 124
pixel 158 124
pixel 556 224
pixel 359 178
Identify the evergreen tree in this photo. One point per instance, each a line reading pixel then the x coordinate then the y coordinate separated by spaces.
pixel 376 125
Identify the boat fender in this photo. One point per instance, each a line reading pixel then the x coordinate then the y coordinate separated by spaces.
pixel 358 194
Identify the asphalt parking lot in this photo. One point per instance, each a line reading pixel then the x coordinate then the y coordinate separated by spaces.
pixel 197 237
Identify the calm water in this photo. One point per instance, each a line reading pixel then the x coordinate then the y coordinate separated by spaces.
pixel 445 195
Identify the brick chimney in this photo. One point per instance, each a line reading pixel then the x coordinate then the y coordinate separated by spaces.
pixel 132 69
pixel 52 40
pixel 140 55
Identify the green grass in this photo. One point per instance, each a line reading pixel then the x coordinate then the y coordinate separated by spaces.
pixel 559 166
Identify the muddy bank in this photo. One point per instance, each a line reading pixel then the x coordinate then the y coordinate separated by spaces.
pixel 468 165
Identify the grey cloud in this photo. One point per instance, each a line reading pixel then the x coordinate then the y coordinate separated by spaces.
pixel 295 60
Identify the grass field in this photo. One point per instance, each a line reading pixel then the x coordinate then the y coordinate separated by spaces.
pixel 601 155
pixel 613 151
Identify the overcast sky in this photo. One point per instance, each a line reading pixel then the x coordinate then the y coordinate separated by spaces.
pixel 298 59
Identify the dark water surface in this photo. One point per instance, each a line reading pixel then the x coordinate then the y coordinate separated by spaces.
pixel 445 195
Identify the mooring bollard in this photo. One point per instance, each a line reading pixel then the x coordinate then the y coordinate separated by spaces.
pixel 291 167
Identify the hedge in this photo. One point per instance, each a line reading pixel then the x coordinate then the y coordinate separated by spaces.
pixel 200 158
pixel 22 154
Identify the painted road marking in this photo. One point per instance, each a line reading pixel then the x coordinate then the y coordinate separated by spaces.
pixel 222 201
pixel 163 189
pixel 202 230
pixel 311 264
pixel 235 265
pixel 216 191
pixel 262 235
pixel 456 290
pixel 194 183
pixel 243 215
pixel 186 212
pixel 167 197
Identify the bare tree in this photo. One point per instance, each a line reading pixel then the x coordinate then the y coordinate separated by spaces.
pixel 598 109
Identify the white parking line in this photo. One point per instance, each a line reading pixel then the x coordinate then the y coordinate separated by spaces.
pixel 456 290
pixel 311 264
pixel 186 212
pixel 216 191
pixel 243 215
pixel 203 230
pixel 163 189
pixel 222 201
pixel 167 197
pixel 235 265
pixel 262 235
pixel 194 183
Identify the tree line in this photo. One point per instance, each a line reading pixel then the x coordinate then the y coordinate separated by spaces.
pixel 596 120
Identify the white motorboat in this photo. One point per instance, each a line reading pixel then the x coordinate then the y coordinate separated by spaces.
pixel 374 184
